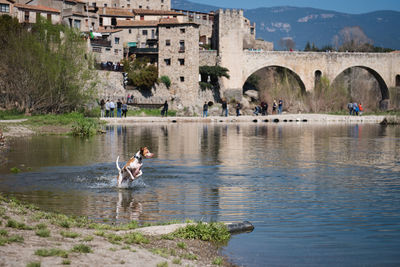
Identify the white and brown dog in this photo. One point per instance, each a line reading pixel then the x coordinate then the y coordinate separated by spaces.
pixel 133 168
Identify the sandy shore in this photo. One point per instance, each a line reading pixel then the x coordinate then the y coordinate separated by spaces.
pixel 22 242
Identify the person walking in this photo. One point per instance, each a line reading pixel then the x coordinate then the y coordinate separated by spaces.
pixel 112 107
pixel 355 109
pixel 164 111
pixel 108 108
pixel 119 108
pixel 350 108
pixel 124 109
pixel 205 109
pixel 224 108
pixel 280 106
pixel 264 108
pixel 102 107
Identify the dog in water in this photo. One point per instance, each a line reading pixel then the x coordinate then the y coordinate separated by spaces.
pixel 133 168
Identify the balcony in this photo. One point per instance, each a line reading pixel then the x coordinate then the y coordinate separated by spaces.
pixel 100 42
pixel 135 50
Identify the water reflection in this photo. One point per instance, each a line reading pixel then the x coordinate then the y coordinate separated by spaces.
pixel 308 189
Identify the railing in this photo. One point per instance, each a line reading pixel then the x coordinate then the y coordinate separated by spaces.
pixel 100 42
pixel 135 50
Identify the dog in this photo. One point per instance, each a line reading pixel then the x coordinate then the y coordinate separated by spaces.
pixel 133 168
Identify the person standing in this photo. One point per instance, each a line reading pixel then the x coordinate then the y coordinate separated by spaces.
pixel 264 108
pixel 102 107
pixel 124 109
pixel 108 108
pixel 274 106
pixel 112 107
pixel 360 109
pixel 224 108
pixel 355 109
pixel 238 107
pixel 280 105
pixel 164 111
pixel 205 109
pixel 119 108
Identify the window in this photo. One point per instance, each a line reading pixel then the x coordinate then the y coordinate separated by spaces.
pixel 77 24
pixel 96 49
pixel 140 6
pixel 116 40
pixel 37 16
pixel 168 27
pixel 162 1
pixel 116 51
pixel 49 18
pixel 167 42
pixel 101 21
pixel 181 61
pixel 182 79
pixel 130 31
pixel 183 30
pixel 144 32
pixel 108 49
pixel 105 5
pixel 128 5
pixel 4 8
pixel 167 61
pixel 94 4
pixel 141 17
pixel 26 16
pixel 181 46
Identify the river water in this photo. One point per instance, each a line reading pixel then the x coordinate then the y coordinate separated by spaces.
pixel 316 194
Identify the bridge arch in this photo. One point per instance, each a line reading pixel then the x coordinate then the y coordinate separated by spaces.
pixel 381 82
pixel 292 72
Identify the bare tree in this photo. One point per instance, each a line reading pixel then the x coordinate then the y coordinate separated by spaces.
pixel 352 39
pixel 287 43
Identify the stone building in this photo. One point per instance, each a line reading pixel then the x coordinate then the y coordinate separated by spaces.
pixel 179 57
pixel 31 13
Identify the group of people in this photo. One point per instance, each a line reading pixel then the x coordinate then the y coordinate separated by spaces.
pixel 108 107
pixel 111 66
pixel 355 109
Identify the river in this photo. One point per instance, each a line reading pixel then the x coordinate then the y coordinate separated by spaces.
pixel 316 194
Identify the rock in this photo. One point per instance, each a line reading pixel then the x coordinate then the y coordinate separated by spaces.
pixel 253 94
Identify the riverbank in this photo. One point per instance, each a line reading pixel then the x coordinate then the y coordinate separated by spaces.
pixel 31 237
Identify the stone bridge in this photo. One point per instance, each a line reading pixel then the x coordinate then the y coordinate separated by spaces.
pixel 308 66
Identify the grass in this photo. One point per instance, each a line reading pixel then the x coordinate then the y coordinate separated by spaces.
pixel 113 238
pixel 162 264
pixel 87 238
pixel 181 245
pixel 5 239
pixel 135 238
pixel 81 248
pixel 43 252
pixel 215 232
pixel 147 112
pixel 163 252
pixel 190 256
pixel 177 261
pixel 218 261
pixel 18 225
pixel 43 232
pixel 69 234
pixel 66 262
pixel 11 115
pixel 33 264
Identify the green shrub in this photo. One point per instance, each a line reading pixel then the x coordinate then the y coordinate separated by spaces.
pixel 85 127
pixel 66 262
pixel 17 225
pixel 11 114
pixel 135 238
pixel 216 232
pixel 218 261
pixel 166 80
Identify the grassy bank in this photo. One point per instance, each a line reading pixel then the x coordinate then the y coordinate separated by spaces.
pixel 74 123
pixel 46 238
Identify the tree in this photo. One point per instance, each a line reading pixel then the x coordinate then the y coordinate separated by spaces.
pixel 213 73
pixel 141 73
pixel 287 43
pixel 353 39
pixel 44 69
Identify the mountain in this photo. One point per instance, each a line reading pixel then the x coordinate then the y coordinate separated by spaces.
pixel 314 25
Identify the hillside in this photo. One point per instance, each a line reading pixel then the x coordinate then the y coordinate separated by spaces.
pixel 314 25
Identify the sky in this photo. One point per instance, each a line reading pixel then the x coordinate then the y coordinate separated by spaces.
pixel 346 6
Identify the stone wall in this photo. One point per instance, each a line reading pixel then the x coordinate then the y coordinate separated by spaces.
pixel 208 57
